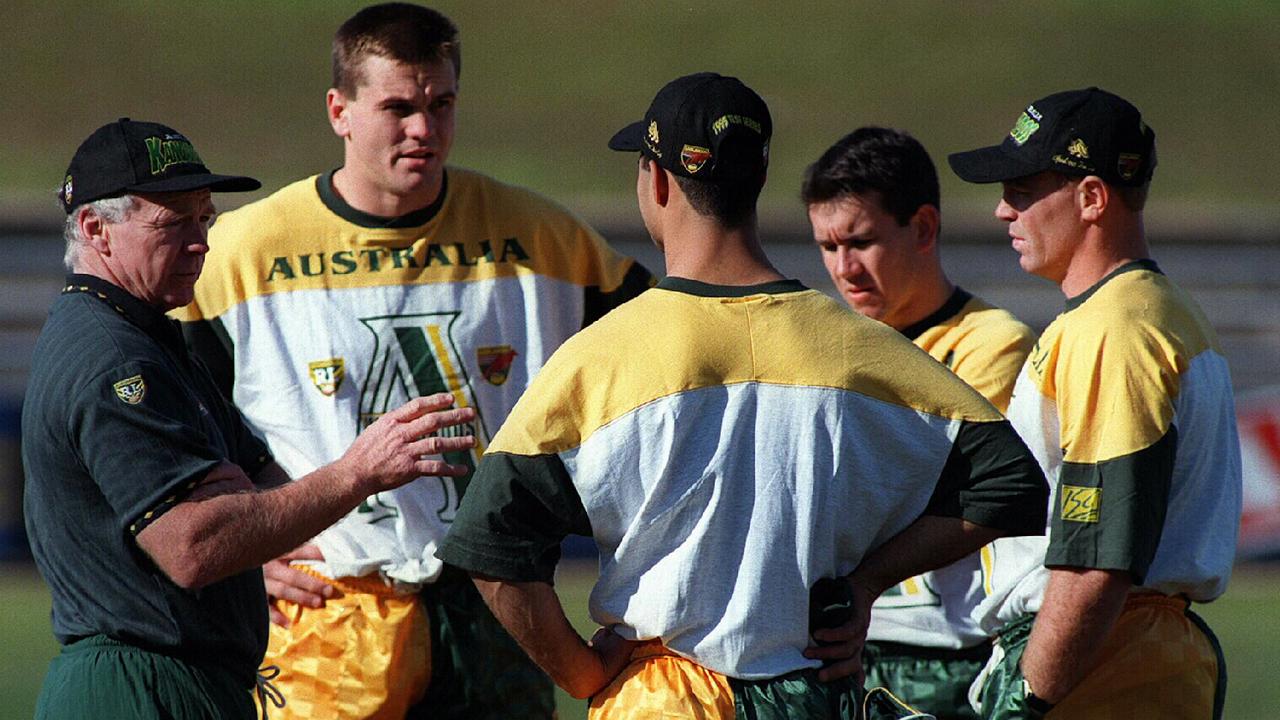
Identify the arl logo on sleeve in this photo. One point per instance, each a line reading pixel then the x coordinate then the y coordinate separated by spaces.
pixel 1081 504
pixel 131 389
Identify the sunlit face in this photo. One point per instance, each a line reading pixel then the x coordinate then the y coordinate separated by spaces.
pixel 873 261
pixel 156 253
pixel 1043 222
pixel 398 128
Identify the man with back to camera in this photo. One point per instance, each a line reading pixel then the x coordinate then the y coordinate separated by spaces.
pixel 874 206
pixel 391 277
pixel 725 438
pixel 1126 401
pixel 146 496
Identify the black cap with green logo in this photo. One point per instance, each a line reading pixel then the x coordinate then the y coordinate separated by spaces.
pixel 1077 132
pixel 127 156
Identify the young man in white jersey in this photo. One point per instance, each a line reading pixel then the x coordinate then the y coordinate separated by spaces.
pixel 874 205
pixel 1126 401
pixel 748 455
pixel 343 294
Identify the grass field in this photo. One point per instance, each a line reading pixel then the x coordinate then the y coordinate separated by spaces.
pixel 1246 619
pixel 544 86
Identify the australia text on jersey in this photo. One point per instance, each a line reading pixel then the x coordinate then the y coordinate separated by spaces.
pixel 378 259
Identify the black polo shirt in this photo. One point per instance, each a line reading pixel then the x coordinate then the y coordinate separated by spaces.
pixel 118 424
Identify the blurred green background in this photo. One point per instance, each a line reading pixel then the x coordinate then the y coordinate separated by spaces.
pixel 544 85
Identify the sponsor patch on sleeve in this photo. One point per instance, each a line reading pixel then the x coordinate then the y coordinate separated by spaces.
pixel 131 389
pixel 1081 504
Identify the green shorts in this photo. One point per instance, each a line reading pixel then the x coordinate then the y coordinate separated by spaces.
pixel 106 678
pixel 477 669
pixel 936 680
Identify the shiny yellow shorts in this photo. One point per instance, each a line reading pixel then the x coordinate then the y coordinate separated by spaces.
pixel 660 684
pixel 365 654
pixel 1158 662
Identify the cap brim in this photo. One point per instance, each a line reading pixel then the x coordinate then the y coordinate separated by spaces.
pixel 184 183
pixel 989 165
pixel 629 138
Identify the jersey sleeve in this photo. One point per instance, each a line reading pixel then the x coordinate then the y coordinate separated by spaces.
pixel 142 436
pixel 1115 390
pixel 611 277
pixel 992 479
pixel 516 512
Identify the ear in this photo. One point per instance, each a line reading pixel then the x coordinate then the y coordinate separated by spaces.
pixel 925 224
pixel 336 105
pixel 659 184
pixel 1093 195
pixel 93 230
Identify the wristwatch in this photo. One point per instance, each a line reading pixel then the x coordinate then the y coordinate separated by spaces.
pixel 1038 705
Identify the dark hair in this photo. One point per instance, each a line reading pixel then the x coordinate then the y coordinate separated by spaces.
pixel 887 162
pixel 731 203
pixel 403 32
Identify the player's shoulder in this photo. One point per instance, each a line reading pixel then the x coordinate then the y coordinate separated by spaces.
pixel 989 322
pixel 277 212
pixel 470 188
pixel 1140 307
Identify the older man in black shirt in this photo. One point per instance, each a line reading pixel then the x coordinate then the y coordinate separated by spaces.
pixel 149 503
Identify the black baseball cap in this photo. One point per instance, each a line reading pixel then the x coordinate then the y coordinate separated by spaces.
pixel 704 126
pixel 1077 132
pixel 133 156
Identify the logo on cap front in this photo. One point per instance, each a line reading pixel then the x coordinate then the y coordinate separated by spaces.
pixel 1025 127
pixel 1078 149
pixel 66 190
pixel 693 158
pixel 651 139
pixel 170 150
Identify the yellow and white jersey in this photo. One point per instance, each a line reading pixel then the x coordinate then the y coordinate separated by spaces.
pixel 728 447
pixel 986 347
pixel 1126 402
pixel 319 318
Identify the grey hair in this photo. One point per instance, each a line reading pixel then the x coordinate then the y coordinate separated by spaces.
pixel 112 210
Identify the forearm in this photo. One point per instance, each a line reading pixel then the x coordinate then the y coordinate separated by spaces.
pixel 1080 607
pixel 927 544
pixel 211 537
pixel 532 613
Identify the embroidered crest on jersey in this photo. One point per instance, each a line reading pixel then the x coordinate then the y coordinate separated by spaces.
pixel 693 158
pixel 1081 504
pixel 131 389
pixel 495 362
pixel 327 375
pixel 414 356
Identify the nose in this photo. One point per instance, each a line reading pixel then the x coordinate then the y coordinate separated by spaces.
pixel 417 126
pixel 1005 211
pixel 847 261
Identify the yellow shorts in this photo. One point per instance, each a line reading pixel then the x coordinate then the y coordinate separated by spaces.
pixel 1158 662
pixel 660 684
pixel 365 654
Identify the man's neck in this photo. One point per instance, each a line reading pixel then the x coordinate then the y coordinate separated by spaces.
pixel 375 201
pixel 719 256
pixel 1101 252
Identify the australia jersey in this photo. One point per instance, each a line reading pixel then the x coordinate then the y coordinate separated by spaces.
pixel 728 447
pixel 324 318
pixel 984 346
pixel 1126 401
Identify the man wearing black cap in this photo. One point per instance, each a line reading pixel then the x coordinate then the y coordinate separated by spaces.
pixel 1126 400
pixel 726 439
pixel 146 499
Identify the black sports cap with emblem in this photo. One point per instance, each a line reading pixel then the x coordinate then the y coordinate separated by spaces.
pixel 129 156
pixel 1077 132
pixel 704 126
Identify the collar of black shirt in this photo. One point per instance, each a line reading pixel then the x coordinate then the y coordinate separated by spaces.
pixel 150 319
